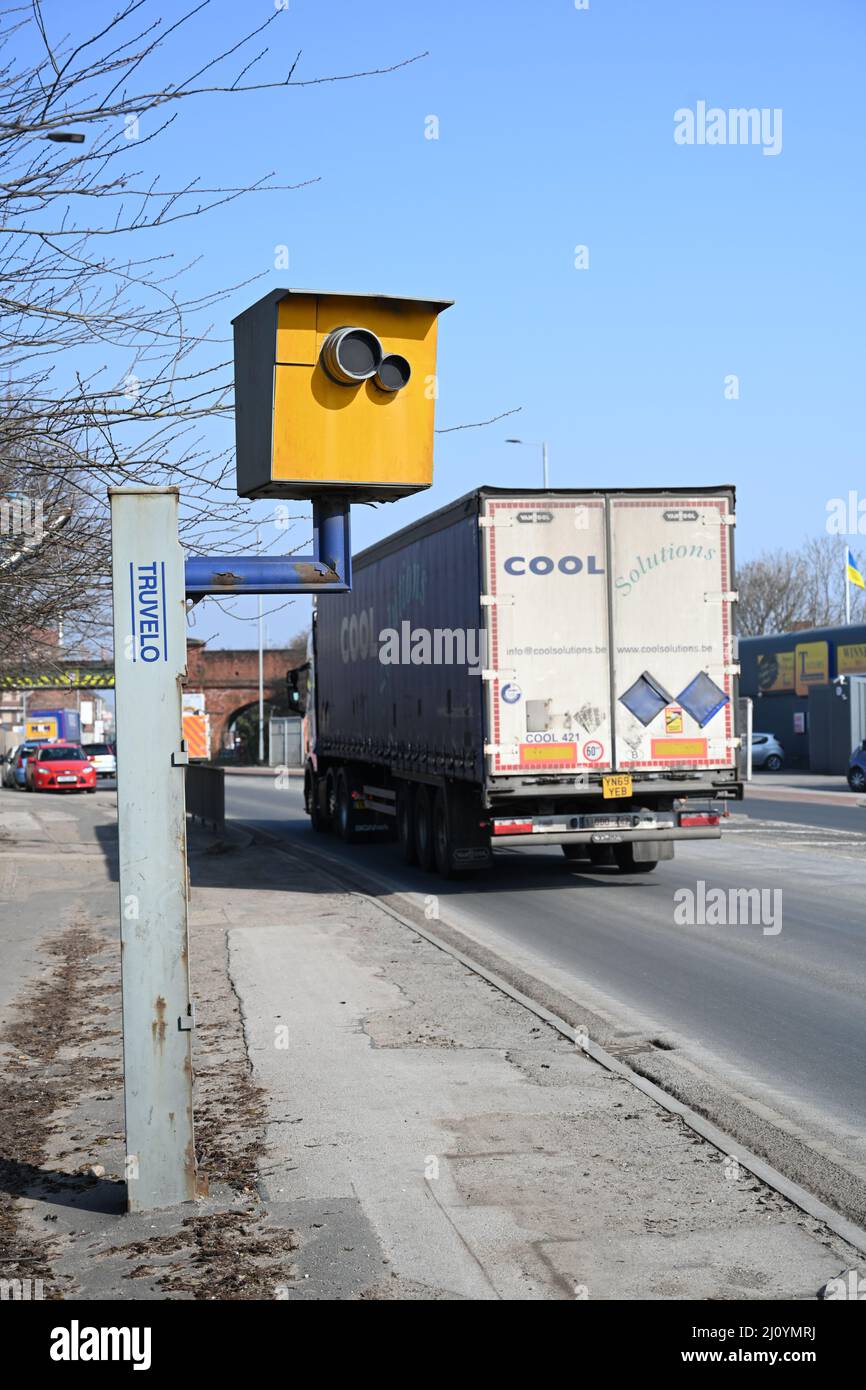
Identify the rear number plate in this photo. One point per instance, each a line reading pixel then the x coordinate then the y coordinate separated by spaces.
pixel 619 785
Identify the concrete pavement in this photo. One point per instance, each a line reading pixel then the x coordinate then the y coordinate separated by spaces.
pixel 761 1032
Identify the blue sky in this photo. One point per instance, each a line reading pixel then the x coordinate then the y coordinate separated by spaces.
pixel 556 130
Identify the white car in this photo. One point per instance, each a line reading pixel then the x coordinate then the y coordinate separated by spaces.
pixel 102 758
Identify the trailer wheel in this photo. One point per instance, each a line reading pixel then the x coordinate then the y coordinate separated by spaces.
pixel 442 842
pixel 344 818
pixel 424 828
pixel 330 799
pixel 627 864
pixel 313 791
pixel 406 824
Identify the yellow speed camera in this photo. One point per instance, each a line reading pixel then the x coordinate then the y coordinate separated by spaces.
pixel 335 393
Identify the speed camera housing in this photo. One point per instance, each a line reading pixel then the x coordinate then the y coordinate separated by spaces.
pixel 335 393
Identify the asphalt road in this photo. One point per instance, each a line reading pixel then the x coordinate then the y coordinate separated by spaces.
pixel 849 813
pixel 827 816
pixel 780 1015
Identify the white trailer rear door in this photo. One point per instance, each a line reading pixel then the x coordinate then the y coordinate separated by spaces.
pixel 548 687
pixel 672 648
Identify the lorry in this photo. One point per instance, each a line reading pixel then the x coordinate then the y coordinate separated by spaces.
pixel 533 667
pixel 51 724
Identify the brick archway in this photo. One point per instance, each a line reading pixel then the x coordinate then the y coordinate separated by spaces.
pixel 230 681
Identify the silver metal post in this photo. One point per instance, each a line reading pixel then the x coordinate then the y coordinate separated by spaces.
pixel 150 661
pixel 532 444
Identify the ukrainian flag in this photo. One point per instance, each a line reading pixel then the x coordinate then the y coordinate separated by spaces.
pixel 853 573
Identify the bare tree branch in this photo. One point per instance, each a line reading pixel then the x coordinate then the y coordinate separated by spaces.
pixel 110 371
pixel 784 590
pixel 479 424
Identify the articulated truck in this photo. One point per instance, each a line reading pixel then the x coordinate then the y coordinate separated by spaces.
pixel 533 668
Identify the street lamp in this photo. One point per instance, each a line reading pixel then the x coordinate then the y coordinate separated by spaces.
pixel 531 444
pixel 60 137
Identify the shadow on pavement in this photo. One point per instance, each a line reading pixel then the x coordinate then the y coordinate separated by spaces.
pixel 79 1190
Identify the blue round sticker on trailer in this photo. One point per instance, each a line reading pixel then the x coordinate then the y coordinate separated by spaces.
pixel 511 694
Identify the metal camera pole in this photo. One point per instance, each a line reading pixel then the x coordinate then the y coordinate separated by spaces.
pixel 149 663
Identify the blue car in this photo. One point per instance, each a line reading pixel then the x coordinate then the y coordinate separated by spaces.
pixel 19 760
pixel 857 769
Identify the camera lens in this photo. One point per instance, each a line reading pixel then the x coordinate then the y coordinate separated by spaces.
pixel 394 372
pixel 350 355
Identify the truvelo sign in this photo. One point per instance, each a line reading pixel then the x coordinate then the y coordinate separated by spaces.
pixel 147 611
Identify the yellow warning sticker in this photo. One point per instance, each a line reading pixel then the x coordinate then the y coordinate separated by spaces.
pixel 535 754
pixel 678 748
pixel 673 720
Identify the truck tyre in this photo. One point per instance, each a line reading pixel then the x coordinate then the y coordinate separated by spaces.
pixel 318 818
pixel 331 799
pixel 424 828
pixel 442 839
pixel 627 864
pixel 345 817
pixel 406 823
pixel 575 851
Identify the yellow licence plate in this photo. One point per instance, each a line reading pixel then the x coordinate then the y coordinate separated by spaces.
pixel 616 786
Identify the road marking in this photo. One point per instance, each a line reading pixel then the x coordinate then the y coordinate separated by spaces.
pixel 789 835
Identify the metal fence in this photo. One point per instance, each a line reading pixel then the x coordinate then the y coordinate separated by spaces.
pixel 205 794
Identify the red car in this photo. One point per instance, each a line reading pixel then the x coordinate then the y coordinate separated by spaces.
pixel 59 767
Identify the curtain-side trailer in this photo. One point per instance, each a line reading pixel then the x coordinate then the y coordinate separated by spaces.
pixel 533 667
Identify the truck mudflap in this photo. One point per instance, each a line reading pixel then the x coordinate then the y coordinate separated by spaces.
pixel 605 829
